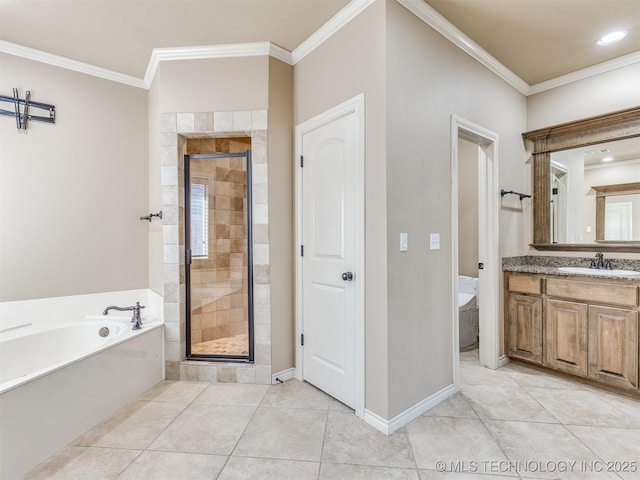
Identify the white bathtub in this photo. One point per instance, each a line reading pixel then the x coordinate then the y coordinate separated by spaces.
pixel 58 378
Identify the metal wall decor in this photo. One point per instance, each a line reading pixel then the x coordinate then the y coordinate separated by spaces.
pixel 22 110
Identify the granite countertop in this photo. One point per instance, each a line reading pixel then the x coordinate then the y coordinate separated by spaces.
pixel 550 266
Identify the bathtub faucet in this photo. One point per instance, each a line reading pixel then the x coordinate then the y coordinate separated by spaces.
pixel 136 321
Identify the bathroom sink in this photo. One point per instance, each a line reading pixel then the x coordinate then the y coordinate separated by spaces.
pixel 600 272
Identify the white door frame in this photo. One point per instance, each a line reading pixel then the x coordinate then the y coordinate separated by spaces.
pixel 354 105
pixel 488 233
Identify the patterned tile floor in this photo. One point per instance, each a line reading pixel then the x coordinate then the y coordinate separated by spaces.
pixel 236 345
pixel 515 422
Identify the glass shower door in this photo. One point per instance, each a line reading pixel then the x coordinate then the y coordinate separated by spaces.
pixel 218 271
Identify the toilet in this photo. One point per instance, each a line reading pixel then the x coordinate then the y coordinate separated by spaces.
pixel 468 308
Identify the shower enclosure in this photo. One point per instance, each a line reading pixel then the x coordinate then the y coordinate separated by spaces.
pixel 218 266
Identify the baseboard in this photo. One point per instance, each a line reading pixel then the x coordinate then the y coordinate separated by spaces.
pixel 502 360
pixel 284 375
pixel 389 426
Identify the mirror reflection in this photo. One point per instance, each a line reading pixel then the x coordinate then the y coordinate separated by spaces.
pixel 621 218
pixel 575 172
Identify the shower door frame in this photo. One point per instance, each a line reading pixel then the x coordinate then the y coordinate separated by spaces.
pixel 188 259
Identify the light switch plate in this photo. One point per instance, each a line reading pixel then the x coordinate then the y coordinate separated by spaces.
pixel 434 241
pixel 404 242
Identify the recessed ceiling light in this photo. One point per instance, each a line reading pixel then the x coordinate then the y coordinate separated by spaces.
pixel 607 159
pixel 612 37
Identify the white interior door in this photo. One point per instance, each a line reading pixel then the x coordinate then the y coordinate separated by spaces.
pixel 329 259
pixel 617 221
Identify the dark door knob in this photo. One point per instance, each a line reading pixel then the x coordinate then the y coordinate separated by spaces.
pixel 347 276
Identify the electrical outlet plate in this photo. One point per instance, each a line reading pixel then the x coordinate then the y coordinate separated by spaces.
pixel 404 242
pixel 434 241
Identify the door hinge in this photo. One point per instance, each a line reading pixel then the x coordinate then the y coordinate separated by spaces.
pixel 302 250
pixel 301 161
pixel 188 256
pixel 302 339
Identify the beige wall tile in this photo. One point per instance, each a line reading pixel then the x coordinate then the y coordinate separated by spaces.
pixel 222 121
pixel 263 374
pixel 241 121
pixel 203 122
pixel 246 375
pixel 185 122
pixel 167 123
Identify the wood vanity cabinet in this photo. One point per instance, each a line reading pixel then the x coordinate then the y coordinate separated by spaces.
pixel 524 313
pixel 566 339
pixel 585 327
pixel 613 346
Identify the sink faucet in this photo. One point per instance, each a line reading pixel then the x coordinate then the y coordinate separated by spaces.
pixel 600 257
pixel 599 263
pixel 136 321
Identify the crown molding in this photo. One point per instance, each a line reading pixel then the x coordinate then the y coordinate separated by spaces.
pixel 418 7
pixel 231 50
pixel 69 64
pixel 335 23
pixel 619 163
pixel 441 25
pixel 157 55
pixel 604 67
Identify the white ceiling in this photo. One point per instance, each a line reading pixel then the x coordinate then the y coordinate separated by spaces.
pixel 535 39
pixel 618 151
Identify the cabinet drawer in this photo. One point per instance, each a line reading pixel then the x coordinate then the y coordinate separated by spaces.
pixel 525 284
pixel 608 293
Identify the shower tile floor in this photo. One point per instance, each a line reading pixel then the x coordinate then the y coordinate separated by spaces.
pixel 235 345
pixel 515 422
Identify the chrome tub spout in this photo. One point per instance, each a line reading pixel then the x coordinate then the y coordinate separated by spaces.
pixel 136 321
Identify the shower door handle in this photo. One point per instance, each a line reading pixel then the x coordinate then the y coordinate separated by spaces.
pixel 347 276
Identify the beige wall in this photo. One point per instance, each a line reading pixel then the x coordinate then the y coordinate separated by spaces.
pixel 156 267
pixel 281 234
pixel 227 84
pixel 215 85
pixel 467 208
pixel 351 62
pixel 428 79
pixel 607 92
pixel 604 93
pixel 72 193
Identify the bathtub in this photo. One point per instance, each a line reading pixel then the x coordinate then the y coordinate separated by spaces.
pixel 60 377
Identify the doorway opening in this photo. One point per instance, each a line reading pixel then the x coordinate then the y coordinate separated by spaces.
pixel 481 147
pixel 468 258
pixel 218 253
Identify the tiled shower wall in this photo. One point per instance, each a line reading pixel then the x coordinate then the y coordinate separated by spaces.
pixel 175 129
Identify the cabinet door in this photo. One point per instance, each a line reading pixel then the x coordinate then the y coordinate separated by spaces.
pixel 613 346
pixel 524 333
pixel 565 333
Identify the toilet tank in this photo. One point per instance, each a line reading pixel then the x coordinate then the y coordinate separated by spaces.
pixel 468 285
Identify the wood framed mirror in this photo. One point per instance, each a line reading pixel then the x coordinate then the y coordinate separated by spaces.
pixel 624 124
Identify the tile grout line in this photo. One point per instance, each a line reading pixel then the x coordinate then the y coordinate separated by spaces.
pixel 140 450
pixel 178 415
pixel 494 437
pixel 243 432
pixel 559 422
